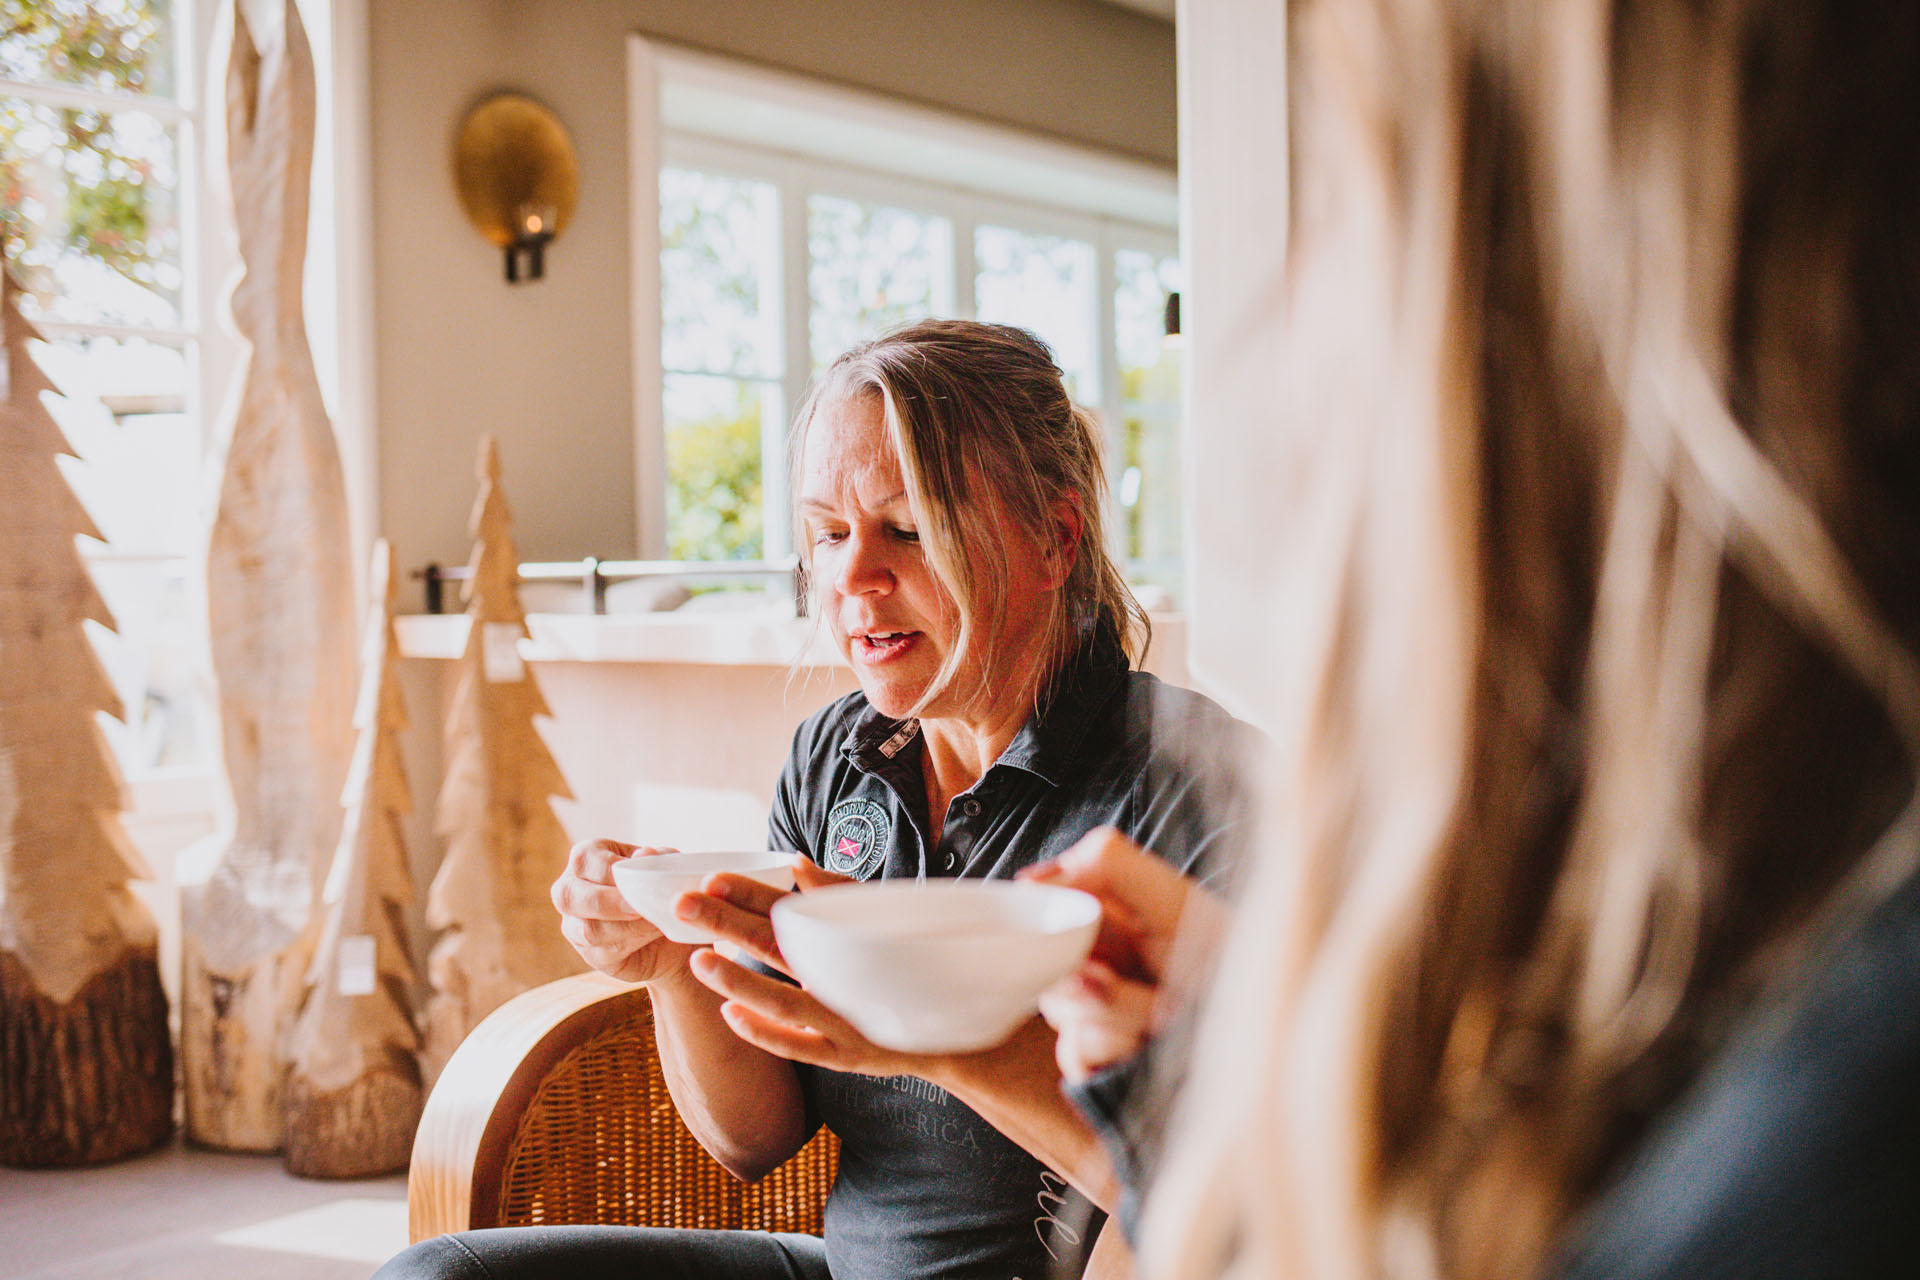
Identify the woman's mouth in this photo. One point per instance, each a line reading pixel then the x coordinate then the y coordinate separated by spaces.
pixel 879 646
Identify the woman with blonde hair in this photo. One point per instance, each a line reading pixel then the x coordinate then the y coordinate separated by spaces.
pixel 1584 937
pixel 949 501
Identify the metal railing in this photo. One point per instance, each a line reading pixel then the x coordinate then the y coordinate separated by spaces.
pixel 594 576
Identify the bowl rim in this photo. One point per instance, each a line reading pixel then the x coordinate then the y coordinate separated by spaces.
pixel 813 905
pixel 675 864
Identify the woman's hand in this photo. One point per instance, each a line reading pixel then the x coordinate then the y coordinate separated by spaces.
pixel 776 1016
pixel 597 919
pixel 787 1021
pixel 1105 1011
pixel 1014 1086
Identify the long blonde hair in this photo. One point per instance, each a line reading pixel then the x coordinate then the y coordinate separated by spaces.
pixel 986 434
pixel 1594 691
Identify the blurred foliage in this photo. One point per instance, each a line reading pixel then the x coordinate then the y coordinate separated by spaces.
pixel 716 234
pixel 714 498
pixel 870 268
pixel 109 215
pixel 107 46
pixel 89 183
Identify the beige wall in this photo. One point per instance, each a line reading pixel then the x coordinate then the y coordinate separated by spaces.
pixel 545 367
pixel 1233 226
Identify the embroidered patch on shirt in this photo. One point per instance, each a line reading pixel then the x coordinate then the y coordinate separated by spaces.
pixel 856 843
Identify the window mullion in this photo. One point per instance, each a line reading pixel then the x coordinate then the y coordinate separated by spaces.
pixel 1106 346
pixel 1112 412
pixel 964 303
pixel 73 98
pixel 57 329
pixel 796 365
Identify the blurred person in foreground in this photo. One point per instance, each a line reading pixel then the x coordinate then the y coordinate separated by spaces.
pixel 949 498
pixel 1583 935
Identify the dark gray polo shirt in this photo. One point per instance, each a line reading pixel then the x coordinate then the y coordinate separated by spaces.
pixel 926 1187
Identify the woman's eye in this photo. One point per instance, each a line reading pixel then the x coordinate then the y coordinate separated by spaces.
pixel 827 537
pixel 907 535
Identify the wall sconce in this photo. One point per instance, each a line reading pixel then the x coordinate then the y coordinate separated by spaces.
pixel 514 169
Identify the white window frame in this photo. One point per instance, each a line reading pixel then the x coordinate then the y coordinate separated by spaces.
pixel 1108 203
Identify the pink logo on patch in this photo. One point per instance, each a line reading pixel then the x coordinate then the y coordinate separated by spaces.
pixel 855 841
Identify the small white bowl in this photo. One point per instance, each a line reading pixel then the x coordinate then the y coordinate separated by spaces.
pixel 939 966
pixel 652 884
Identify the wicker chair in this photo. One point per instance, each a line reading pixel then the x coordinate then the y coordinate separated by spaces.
pixel 554 1110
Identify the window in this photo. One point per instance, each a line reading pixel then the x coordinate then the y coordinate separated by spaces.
pixel 794 222
pixel 720 357
pixel 1046 284
pixel 871 267
pixel 96 136
pixel 1148 488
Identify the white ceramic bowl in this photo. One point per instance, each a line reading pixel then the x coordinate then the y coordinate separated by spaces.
pixel 940 966
pixel 651 885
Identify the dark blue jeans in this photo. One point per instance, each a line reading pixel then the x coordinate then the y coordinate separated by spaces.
pixel 611 1253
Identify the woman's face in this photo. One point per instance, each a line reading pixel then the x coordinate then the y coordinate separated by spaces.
pixel 876 591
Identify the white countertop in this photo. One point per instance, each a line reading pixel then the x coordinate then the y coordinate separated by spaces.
pixel 714 639
pixel 710 639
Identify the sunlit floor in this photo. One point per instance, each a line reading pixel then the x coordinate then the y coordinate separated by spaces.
pixel 186 1214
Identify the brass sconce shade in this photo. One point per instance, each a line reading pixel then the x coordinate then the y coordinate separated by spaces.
pixel 513 166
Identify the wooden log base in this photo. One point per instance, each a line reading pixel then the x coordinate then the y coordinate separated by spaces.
pixel 361 1131
pixel 90 1080
pixel 233 1068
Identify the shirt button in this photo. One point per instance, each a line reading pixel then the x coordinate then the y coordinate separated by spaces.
pixel 970 807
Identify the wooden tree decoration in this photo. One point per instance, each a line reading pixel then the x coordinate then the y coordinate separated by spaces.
pixel 354 1092
pixel 505 846
pixel 86 1062
pixel 280 603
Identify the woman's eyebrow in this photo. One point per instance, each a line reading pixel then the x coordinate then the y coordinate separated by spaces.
pixel 821 504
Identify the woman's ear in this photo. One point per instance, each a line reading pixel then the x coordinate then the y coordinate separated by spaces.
pixel 1063 549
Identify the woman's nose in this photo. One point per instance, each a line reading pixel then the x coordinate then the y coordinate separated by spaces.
pixel 864 568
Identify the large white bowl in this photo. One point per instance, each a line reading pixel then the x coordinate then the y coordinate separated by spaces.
pixel 652 884
pixel 940 966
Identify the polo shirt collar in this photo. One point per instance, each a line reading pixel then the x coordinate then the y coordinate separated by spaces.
pixel 1046 744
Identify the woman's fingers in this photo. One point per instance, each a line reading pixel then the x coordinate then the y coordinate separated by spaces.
pixel 1115 869
pixel 737 908
pixel 781 1018
pixel 734 908
pixel 599 923
pixel 809 875
pixel 591 859
pixel 1145 902
pixel 743 892
pixel 768 996
pixel 783 1040
pixel 629 950
pixel 586 887
pixel 1100 1017
pixel 590 901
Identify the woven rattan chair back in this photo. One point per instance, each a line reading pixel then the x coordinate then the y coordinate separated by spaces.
pixel 554 1110
pixel 601 1142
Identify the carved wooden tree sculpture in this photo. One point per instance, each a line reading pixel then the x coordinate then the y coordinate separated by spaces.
pixel 505 846
pixel 280 598
pixel 86 1063
pixel 354 1095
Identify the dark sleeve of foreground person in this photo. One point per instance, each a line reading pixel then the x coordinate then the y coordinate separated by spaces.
pixel 1796 1156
